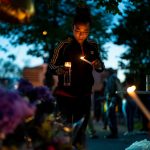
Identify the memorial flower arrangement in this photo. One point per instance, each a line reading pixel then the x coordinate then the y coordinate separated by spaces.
pixel 28 120
pixel 13 111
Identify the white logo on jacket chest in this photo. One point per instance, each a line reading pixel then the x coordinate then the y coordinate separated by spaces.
pixel 92 52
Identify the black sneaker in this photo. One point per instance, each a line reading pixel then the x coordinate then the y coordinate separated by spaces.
pixel 111 136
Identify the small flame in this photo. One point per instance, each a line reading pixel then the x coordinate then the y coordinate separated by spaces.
pixel 82 57
pixel 68 64
pixel 131 89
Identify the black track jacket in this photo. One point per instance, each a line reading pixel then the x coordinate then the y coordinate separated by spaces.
pixel 82 79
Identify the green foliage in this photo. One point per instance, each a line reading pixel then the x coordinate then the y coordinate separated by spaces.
pixel 55 17
pixel 134 32
pixel 111 6
pixel 8 69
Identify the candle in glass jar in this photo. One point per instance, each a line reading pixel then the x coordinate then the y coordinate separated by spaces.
pixel 68 64
pixel 67 75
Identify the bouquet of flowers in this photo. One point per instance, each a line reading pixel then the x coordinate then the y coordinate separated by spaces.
pixel 13 111
pixel 42 130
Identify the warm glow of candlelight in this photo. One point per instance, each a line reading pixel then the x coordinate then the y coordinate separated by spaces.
pixel 131 92
pixel 67 129
pixel 131 89
pixel 82 57
pixel 44 32
pixel 85 60
pixel 68 64
pixel 17 12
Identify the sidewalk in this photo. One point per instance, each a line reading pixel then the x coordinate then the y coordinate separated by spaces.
pixel 121 143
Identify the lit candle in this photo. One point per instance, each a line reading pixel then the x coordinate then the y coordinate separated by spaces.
pixel 131 92
pixel 67 75
pixel 87 61
pixel 68 64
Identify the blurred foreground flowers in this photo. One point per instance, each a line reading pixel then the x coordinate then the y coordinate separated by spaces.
pixel 13 110
pixel 28 120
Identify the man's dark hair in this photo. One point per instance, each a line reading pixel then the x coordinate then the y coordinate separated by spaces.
pixel 82 15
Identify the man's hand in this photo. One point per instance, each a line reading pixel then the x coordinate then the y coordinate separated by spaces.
pixel 61 70
pixel 96 64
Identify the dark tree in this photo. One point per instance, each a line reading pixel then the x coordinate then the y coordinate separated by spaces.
pixel 134 32
pixel 51 23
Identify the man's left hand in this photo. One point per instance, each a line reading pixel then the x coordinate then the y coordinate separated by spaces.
pixel 96 64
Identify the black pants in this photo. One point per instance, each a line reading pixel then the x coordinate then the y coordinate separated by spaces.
pixel 130 112
pixel 97 105
pixel 73 109
pixel 111 114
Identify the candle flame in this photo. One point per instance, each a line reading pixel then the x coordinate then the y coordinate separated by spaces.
pixel 68 64
pixel 82 57
pixel 134 96
pixel 131 89
pixel 87 61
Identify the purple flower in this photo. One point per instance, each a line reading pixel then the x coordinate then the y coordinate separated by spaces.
pixel 24 87
pixel 43 93
pixel 43 99
pixel 13 110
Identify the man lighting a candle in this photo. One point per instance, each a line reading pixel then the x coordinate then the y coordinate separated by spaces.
pixel 74 101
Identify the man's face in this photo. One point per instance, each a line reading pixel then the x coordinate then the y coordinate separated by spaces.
pixel 81 32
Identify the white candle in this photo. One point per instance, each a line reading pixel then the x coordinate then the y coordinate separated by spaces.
pixel 131 92
pixel 87 61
